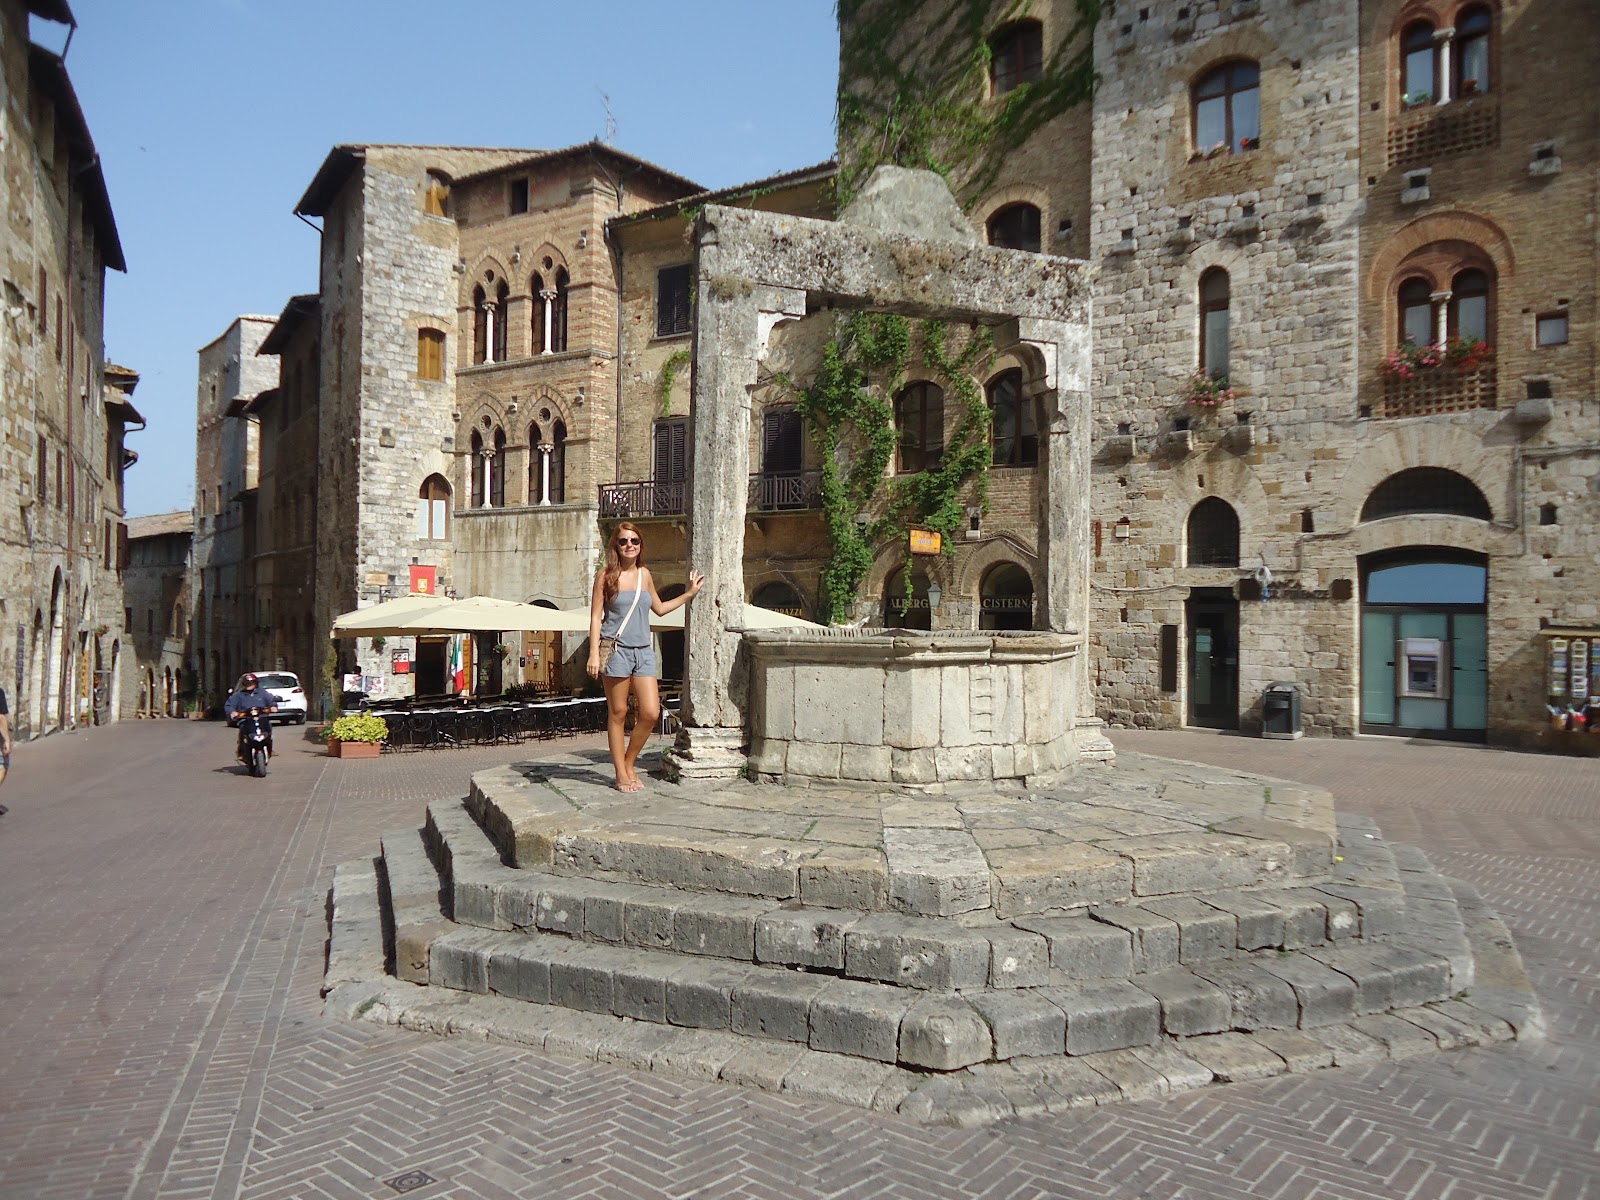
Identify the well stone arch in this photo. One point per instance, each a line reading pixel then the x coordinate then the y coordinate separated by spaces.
pixel 972 567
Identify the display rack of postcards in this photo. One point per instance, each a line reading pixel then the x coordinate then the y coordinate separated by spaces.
pixel 1572 679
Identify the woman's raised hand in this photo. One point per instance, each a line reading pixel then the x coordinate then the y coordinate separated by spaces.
pixel 696 582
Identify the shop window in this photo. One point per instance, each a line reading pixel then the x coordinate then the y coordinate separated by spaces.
pixel 1419 65
pixel 1016 227
pixel 919 427
pixel 1005 598
pixel 1213 534
pixel 674 288
pixel 1426 490
pixel 1214 329
pixel 430 356
pixel 433 509
pixel 1014 429
pixel 1016 56
pixel 1227 109
pixel 1474 28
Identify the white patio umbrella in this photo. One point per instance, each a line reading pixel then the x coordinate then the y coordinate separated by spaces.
pixel 381 620
pixel 476 614
pixel 755 617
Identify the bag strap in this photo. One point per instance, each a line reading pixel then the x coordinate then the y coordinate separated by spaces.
pixel 628 616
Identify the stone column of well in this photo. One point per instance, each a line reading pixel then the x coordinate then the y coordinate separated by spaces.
pixel 731 321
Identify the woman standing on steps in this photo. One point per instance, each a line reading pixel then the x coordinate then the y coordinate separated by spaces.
pixel 619 645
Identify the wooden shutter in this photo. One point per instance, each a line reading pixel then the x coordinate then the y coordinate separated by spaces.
pixel 673 303
pixel 672 451
pixel 782 442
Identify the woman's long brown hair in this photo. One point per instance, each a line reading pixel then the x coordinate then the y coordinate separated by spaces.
pixel 613 573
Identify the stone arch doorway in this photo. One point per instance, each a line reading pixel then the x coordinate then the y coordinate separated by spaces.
pixel 1005 598
pixel 1424 643
pixel 782 597
pixel 903 609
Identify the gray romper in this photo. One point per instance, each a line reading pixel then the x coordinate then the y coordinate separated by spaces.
pixel 634 655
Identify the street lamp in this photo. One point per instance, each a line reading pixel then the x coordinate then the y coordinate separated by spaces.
pixel 935 594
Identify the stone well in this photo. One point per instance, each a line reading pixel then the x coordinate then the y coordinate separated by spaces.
pixel 913 709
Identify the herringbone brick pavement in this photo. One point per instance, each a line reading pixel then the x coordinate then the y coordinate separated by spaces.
pixel 163 1036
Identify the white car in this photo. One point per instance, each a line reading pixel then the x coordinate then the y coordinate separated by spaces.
pixel 285 685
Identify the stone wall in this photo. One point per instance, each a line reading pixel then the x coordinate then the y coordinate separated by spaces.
pixel 156 592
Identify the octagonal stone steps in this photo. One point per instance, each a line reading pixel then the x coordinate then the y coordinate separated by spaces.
pixel 974 950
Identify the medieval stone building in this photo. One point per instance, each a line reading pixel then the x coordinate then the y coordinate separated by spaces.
pixel 63 409
pixel 156 593
pixel 1344 343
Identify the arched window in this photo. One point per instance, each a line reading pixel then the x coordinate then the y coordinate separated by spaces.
pixel 919 424
pixel 1214 298
pixel 1426 490
pixel 778 596
pixel 558 463
pixel 480 325
pixel 476 470
pixel 497 471
pixel 433 509
pixel 1227 109
pixel 558 317
pixel 1474 26
pixel 1419 65
pixel 1016 227
pixel 1005 598
pixel 1416 312
pixel 1469 309
pixel 541 339
pixel 497 317
pixel 1016 56
pixel 902 611
pixel 1014 431
pixel 535 464
pixel 1213 534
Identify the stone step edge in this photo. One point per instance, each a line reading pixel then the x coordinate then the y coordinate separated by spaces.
pixel 1156 933
pixel 515 820
pixel 356 989
pixel 947 1031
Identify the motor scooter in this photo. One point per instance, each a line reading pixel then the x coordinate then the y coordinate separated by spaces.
pixel 253 734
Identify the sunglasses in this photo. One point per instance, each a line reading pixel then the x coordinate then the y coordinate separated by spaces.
pixel 629 542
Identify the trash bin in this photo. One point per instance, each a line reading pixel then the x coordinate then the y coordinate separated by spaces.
pixel 1280 711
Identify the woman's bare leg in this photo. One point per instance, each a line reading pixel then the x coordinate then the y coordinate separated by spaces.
pixel 616 718
pixel 646 712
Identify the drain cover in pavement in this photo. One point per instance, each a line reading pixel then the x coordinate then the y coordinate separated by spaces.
pixel 410 1181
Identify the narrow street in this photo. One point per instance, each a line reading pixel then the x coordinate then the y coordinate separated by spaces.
pixel 163 1033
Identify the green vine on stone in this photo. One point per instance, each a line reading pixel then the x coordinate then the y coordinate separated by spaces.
pixel 851 423
pixel 676 361
pixel 932 108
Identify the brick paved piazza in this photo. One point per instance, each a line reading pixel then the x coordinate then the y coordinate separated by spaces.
pixel 162 1032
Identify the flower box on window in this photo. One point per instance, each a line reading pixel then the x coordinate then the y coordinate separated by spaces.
pixel 1207 392
pixel 1461 354
pixel 1250 143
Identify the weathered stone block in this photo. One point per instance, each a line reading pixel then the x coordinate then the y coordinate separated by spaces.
pixel 647 921
pixel 639 989
pixel 583 981
pixel 459 960
pixel 1325 996
pixel 1035 879
pixel 1022 1024
pixel 910 713
pixel 1204 932
pixel 935 872
pixel 863 1019
pixel 522 974
pixel 412 947
pixel 915 953
pixel 944 1034
pixel 803 937
pixel 874 764
pixel 1184 863
pixel 700 994
pixel 1155 939
pixel 1388 977
pixel 1234 1058
pixel 719 926
pixel 560 906
pixel 912 766
pixel 1084 948
pixel 814 760
pixel 1260 999
pixel 1189 1005
pixel 1017 958
pixel 846 879
pixel 1106 1016
pixel 775 1004
pixel 1260 924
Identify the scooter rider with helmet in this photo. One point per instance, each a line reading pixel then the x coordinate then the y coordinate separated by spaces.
pixel 251 695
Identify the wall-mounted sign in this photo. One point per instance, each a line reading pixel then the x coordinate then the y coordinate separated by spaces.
pixel 926 541
pixel 424 581
pixel 400 662
pixel 376 578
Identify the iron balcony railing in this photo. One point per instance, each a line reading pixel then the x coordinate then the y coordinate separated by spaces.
pixel 787 492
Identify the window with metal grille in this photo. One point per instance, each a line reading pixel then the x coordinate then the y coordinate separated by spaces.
pixel 1213 539
pixel 1426 490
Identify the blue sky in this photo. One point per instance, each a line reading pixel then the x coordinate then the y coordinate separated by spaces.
pixel 211 116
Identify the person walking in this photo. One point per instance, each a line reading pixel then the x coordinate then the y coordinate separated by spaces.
pixel 5 743
pixel 620 655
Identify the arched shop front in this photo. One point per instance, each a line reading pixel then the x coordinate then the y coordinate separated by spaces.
pixel 1424 642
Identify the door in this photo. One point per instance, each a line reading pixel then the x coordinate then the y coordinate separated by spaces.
pixel 429 667
pixel 1213 625
pixel 486 679
pixel 1424 647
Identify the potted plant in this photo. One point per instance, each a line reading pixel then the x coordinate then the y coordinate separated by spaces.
pixel 378 643
pixel 357 735
pixel 502 649
pixel 1207 391
pixel 1416 99
pixel 1250 143
pixel 1469 87
pixel 1410 360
